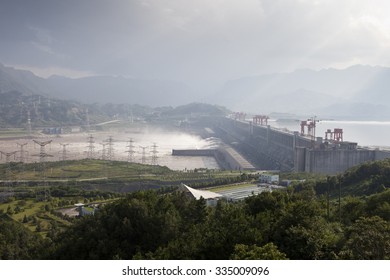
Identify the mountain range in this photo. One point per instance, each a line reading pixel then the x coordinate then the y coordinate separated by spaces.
pixel 97 89
pixel 357 92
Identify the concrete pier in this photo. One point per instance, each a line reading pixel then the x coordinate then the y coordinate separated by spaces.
pixel 194 152
pixel 226 156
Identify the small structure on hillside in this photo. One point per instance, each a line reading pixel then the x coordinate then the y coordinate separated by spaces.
pixel 210 197
pixel 269 178
pixel 82 211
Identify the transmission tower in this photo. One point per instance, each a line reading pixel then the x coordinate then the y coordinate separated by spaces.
pixel 22 152
pixel 63 158
pixel 154 154
pixel 110 149
pixel 29 123
pixel 8 156
pixel 8 190
pixel 104 152
pixel 91 147
pixel 64 152
pixel 130 151
pixel 23 157
pixel 42 153
pixel 42 156
pixel 143 158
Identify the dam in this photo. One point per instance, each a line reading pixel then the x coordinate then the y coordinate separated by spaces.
pixel 272 148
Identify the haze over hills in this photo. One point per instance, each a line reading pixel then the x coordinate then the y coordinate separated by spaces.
pixel 99 89
pixel 105 89
pixel 358 92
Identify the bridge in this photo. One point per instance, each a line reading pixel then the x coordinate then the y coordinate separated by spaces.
pixel 272 148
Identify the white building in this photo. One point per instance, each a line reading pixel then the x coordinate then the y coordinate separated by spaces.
pixel 210 197
pixel 269 178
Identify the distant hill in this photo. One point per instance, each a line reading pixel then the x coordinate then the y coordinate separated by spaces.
pixel 349 93
pixel 105 89
pixel 97 89
pixel 16 108
pixel 21 81
pixel 197 109
pixel 358 92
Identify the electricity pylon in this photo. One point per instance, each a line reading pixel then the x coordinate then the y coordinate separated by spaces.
pixel 8 190
pixel 130 151
pixel 91 147
pixel 42 156
pixel 143 157
pixel 154 154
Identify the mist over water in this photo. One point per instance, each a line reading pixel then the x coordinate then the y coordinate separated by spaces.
pixel 164 140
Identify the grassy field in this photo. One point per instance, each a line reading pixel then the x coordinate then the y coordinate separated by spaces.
pixel 14 132
pixel 86 181
pixel 80 170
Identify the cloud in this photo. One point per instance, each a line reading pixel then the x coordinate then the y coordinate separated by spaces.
pixel 194 41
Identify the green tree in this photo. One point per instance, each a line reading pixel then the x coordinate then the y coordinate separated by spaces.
pixel 10 211
pixel 17 242
pixel 253 252
pixel 352 208
pixel 378 205
pixel 367 239
pixel 303 233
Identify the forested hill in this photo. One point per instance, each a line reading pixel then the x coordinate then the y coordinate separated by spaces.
pixel 16 108
pixel 273 225
pixel 307 221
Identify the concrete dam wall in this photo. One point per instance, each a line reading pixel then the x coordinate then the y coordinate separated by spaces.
pixel 272 148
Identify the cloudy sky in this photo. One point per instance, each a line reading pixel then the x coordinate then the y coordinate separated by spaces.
pixel 195 41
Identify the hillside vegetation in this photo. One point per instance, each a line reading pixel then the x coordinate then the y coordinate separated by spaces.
pixel 344 217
